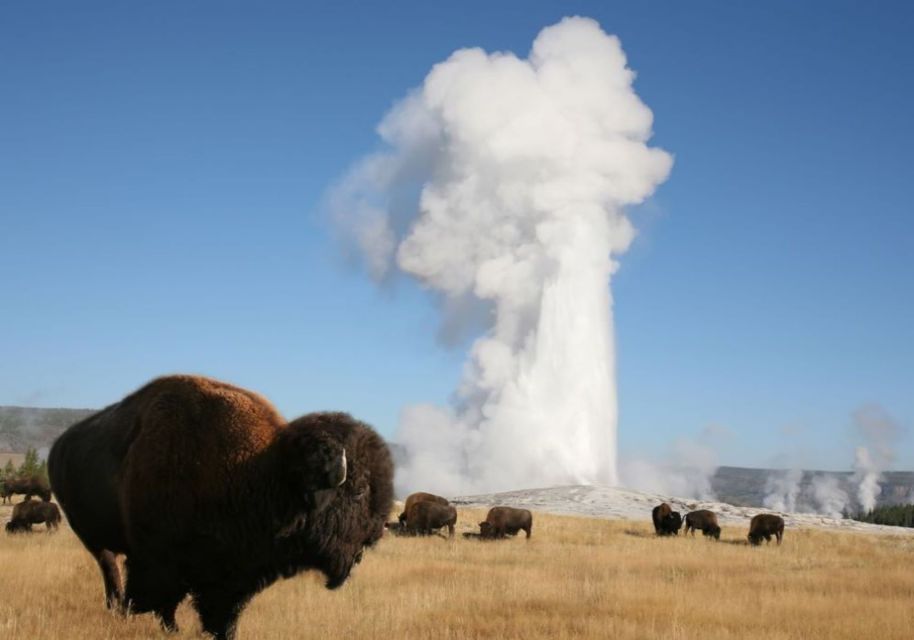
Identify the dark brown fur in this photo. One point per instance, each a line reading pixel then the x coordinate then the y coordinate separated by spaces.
pixel 506 521
pixel 28 486
pixel 30 512
pixel 703 520
pixel 425 518
pixel 765 525
pixel 419 496
pixel 660 512
pixel 207 491
pixel 666 521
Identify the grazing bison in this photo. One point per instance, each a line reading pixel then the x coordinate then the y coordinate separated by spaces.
pixel 420 496
pixel 703 520
pixel 209 492
pixel 30 512
pixel 425 518
pixel 666 521
pixel 26 485
pixel 502 521
pixel 765 525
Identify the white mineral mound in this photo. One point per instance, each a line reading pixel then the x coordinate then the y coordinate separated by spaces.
pixel 625 504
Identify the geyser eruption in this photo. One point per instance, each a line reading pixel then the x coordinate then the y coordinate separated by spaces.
pixel 503 183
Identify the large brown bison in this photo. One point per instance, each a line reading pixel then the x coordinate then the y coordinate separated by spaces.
pixel 30 512
pixel 506 521
pixel 209 492
pixel 765 525
pixel 29 486
pixel 666 521
pixel 419 496
pixel 703 520
pixel 426 517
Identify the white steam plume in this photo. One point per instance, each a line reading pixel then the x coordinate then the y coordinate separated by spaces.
pixel 504 183
pixel 782 490
pixel 830 499
pixel 685 471
pixel 879 432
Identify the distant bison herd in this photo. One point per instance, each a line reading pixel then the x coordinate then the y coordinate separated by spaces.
pixel 426 514
pixel 208 492
pixel 668 522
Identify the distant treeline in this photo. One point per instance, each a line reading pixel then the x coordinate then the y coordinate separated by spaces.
pixel 899 515
pixel 31 466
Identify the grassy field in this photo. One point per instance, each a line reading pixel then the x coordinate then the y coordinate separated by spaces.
pixel 576 578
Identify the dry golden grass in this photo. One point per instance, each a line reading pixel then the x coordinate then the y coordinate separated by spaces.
pixel 576 578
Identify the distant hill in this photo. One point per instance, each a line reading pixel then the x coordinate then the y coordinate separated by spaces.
pixel 24 427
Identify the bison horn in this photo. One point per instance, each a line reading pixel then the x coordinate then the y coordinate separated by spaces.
pixel 342 469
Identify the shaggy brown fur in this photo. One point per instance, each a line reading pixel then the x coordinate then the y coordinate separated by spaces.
pixel 502 521
pixel 419 496
pixel 426 517
pixel 658 514
pixel 207 491
pixel 28 486
pixel 703 520
pixel 30 512
pixel 765 525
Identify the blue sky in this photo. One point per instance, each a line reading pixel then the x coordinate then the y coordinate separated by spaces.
pixel 162 167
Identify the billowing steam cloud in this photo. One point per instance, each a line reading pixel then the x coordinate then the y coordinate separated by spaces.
pixel 685 470
pixel 503 184
pixel 782 490
pixel 879 432
pixel 827 494
pixel 830 499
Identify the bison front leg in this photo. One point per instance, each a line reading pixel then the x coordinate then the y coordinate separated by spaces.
pixel 153 587
pixel 219 611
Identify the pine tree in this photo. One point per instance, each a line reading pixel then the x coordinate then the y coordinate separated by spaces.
pixel 31 465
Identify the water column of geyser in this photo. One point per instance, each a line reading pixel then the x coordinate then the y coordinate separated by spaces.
pixel 503 183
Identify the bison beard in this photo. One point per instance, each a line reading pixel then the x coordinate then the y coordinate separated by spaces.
pixel 208 492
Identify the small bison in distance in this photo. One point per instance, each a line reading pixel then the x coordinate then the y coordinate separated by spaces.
pixel 420 496
pixel 208 491
pixel 27 485
pixel 30 512
pixel 426 518
pixel 666 521
pixel 703 520
pixel 765 525
pixel 506 521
